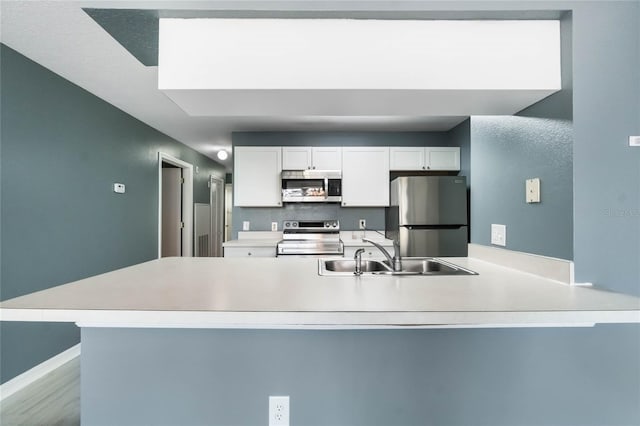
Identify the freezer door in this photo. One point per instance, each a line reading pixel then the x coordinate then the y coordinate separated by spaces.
pixel 430 200
pixel 427 242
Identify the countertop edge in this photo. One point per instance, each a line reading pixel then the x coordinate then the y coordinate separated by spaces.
pixel 320 320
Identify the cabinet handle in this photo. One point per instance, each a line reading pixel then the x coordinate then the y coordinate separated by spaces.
pixel 423 167
pixel 249 254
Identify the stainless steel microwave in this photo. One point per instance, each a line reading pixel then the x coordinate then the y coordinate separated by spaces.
pixel 304 186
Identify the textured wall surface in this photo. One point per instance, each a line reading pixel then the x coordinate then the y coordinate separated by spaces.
pixel 62 150
pixel 505 152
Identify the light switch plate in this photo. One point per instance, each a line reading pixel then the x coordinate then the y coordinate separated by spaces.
pixel 274 226
pixel 634 141
pixel 498 234
pixel 533 190
pixel 119 188
pixel 245 225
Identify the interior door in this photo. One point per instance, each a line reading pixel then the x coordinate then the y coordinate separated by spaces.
pixel 216 201
pixel 171 211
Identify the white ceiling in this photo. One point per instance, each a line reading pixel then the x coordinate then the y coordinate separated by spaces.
pixel 60 36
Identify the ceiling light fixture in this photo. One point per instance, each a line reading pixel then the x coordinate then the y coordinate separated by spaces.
pixel 223 155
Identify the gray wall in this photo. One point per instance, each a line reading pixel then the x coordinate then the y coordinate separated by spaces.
pixel 62 150
pixel 536 143
pixel 606 170
pixel 554 377
pixel 261 217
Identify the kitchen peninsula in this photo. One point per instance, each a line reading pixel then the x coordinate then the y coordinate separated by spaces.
pixel 149 330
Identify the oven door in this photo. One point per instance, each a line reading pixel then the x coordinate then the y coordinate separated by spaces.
pixel 309 248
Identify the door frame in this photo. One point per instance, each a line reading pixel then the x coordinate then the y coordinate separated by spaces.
pixel 187 202
pixel 218 210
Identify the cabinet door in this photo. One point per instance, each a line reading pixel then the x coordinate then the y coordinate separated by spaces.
pixel 249 252
pixel 296 157
pixel 365 176
pixel 327 158
pixel 256 176
pixel 442 158
pixel 407 158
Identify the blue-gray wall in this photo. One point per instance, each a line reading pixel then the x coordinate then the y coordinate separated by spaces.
pixel 261 217
pixel 606 170
pixel 495 377
pixel 62 150
pixel 535 143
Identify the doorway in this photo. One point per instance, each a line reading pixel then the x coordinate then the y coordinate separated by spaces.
pixel 175 207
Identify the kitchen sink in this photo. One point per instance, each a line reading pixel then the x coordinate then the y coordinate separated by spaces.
pixel 349 266
pixel 410 266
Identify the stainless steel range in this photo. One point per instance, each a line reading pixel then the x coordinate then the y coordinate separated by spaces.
pixel 310 238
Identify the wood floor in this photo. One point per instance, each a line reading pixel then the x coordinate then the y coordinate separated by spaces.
pixel 53 400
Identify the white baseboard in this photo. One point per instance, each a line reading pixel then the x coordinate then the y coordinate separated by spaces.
pixel 20 382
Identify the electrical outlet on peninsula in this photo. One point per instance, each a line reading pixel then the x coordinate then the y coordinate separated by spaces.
pixel 278 411
pixel 362 224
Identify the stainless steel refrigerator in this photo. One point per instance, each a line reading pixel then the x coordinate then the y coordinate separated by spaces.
pixel 428 215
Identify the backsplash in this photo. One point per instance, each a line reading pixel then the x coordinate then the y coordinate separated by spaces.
pixel 260 218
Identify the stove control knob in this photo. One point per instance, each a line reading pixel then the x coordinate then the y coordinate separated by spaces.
pixel 294 224
pixel 287 224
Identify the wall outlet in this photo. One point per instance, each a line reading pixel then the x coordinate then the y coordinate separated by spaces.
pixel 498 234
pixel 246 225
pixel 274 226
pixel 362 224
pixel 278 411
pixel 634 140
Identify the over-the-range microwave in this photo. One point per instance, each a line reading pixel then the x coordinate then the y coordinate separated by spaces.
pixel 303 186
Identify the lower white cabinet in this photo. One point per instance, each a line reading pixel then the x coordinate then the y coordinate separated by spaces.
pixel 250 251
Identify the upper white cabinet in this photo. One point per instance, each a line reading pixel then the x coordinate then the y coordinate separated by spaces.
pixel 425 158
pixel 365 176
pixel 256 176
pixel 306 157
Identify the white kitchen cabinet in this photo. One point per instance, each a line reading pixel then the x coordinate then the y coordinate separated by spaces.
pixel 365 176
pixel 327 157
pixel 307 157
pixel 250 251
pixel 256 176
pixel 425 158
pixel 406 158
pixel 442 158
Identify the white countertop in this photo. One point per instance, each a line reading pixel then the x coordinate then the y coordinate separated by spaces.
pixel 289 293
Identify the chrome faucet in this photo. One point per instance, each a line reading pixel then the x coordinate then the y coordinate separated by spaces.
pixel 396 261
pixel 358 259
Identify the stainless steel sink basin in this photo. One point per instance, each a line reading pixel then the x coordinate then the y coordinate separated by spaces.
pixel 410 266
pixel 349 266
